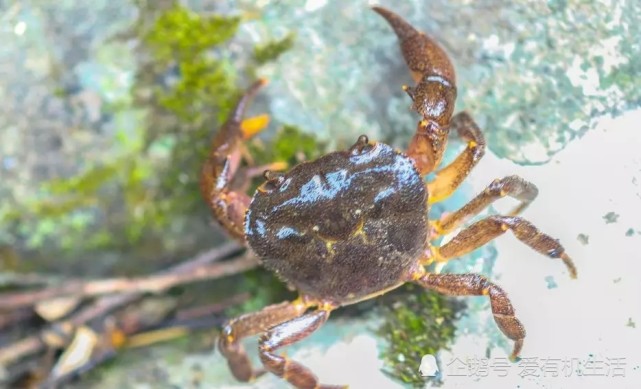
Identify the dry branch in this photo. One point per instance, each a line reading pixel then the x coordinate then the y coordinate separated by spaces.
pixel 150 284
pixel 199 267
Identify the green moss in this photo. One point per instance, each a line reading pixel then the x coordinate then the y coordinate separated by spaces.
pixel 417 322
pixel 289 144
pixel 181 35
pixel 270 51
pixel 180 42
pixel 199 90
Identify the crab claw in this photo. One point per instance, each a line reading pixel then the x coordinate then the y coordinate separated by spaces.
pixel 220 167
pixel 422 54
pixel 435 91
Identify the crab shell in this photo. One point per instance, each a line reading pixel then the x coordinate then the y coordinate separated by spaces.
pixel 346 226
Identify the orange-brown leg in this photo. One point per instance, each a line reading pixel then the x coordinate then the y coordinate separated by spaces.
pixel 489 228
pixel 229 206
pixel 285 334
pixel 449 178
pixel 248 325
pixel 477 285
pixel 513 186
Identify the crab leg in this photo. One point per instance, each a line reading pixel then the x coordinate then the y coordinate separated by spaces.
pixel 248 325
pixel 288 333
pixel 477 285
pixel 229 206
pixel 450 177
pixel 489 228
pixel 513 186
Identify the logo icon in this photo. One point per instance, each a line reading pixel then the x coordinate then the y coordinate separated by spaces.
pixel 428 367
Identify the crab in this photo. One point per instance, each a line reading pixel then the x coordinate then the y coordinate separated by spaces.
pixel 353 224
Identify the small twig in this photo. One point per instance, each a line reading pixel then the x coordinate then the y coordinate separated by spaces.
pixel 151 284
pixel 22 280
pixel 34 343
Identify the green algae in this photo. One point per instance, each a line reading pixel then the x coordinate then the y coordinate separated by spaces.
pixel 270 51
pixel 416 323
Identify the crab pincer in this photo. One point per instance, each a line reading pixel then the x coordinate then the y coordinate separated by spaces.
pixel 224 157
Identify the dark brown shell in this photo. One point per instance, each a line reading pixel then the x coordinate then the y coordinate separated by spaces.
pixel 345 226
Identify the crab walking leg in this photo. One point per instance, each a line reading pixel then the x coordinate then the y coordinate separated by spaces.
pixel 487 229
pixel 450 177
pixel 229 206
pixel 477 285
pixel 288 333
pixel 248 325
pixel 513 186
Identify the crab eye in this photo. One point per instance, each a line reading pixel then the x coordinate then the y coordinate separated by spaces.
pixel 361 144
pixel 274 179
